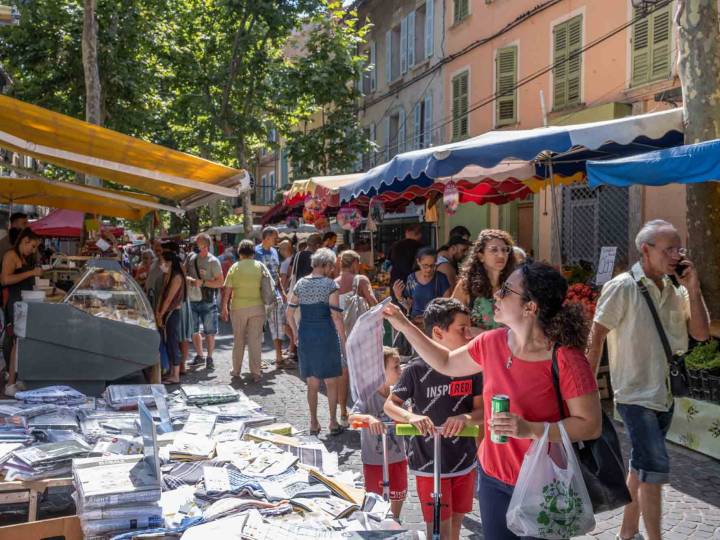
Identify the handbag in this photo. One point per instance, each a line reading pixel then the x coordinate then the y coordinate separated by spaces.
pixel 208 293
pixel 678 373
pixel 600 459
pixel 267 287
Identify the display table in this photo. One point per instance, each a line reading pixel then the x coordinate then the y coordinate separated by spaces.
pixel 67 528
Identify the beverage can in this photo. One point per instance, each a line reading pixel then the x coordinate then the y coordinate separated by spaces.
pixel 500 404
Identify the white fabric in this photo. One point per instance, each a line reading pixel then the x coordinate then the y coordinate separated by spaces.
pixel 364 350
pixel 638 364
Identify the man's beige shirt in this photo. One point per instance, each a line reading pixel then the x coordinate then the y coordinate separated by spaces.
pixel 638 363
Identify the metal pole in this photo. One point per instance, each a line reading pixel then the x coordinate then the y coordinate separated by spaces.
pixel 437 495
pixel 558 236
pixel 386 469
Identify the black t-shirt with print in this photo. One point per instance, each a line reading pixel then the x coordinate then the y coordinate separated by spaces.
pixel 438 397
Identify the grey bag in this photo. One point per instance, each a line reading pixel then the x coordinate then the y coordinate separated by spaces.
pixel 354 307
pixel 267 287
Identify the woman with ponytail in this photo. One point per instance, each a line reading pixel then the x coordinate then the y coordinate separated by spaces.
pixel 168 311
pixel 516 361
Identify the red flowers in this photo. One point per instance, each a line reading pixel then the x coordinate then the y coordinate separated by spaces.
pixel 584 295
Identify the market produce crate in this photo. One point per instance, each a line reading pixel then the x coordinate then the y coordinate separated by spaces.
pixel 67 528
pixel 696 385
pixel 712 385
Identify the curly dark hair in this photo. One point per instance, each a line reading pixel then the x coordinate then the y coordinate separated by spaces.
pixel 562 323
pixel 476 279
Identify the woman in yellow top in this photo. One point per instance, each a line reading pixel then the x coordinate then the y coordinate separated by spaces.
pixel 242 301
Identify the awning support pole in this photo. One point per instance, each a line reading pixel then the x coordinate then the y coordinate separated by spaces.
pixel 556 214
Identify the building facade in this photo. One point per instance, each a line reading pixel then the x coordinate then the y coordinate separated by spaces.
pixel 524 64
pixel 403 91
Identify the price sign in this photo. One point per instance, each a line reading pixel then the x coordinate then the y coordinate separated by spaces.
pixel 606 265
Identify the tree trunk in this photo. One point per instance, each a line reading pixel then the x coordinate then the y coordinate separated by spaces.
pixel 699 70
pixel 246 197
pixel 92 72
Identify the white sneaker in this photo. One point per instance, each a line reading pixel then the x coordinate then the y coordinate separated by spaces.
pixel 637 536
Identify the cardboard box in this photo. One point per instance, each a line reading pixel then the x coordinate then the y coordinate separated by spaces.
pixel 67 528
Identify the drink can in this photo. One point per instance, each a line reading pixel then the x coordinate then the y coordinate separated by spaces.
pixel 500 404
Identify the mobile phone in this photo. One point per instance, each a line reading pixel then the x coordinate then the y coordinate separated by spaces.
pixel 681 267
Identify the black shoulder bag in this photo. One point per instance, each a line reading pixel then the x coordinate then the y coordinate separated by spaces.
pixel 600 460
pixel 678 373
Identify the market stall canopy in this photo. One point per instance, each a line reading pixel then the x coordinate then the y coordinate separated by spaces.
pixel 79 146
pixel 321 186
pixel 655 130
pixel 106 202
pixel 59 223
pixel 687 164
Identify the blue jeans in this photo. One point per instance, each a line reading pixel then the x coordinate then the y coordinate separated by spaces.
pixel 647 430
pixel 494 497
pixel 207 314
pixel 170 335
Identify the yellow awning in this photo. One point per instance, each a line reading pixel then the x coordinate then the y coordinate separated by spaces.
pixel 79 146
pixel 105 202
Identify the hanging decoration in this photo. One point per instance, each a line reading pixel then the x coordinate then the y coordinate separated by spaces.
pixel 322 223
pixel 349 218
pixel 451 198
pixel 376 210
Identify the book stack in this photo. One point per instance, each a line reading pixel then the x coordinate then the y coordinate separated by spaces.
pixel 14 429
pixel 57 395
pixel 208 394
pixel 191 447
pixel 116 495
pixel 44 460
pixel 126 396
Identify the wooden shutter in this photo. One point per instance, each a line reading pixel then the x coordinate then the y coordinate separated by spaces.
pixel 567 59
pixel 417 126
pixel 460 106
pixel 388 56
pixel 411 39
pixel 373 66
pixel 640 50
pixel 574 60
pixel 506 79
pixel 461 10
pixel 403 46
pixel 427 137
pixel 661 44
pixel 429 28
pixel 401 142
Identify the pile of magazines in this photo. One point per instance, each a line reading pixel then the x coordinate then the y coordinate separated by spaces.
pixel 126 396
pixel 43 460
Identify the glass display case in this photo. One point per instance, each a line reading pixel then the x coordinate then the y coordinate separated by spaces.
pixel 111 294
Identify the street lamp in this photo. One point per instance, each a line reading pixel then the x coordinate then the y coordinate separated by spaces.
pixel 9 15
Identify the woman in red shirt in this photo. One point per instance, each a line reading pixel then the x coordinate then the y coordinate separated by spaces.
pixel 516 361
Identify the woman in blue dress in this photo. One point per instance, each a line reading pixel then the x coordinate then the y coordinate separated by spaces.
pixel 320 337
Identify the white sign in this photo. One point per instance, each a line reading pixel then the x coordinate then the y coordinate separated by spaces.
pixel 606 265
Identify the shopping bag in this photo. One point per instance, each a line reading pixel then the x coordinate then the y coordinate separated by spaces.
pixel 550 499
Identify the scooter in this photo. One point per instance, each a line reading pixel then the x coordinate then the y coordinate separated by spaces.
pixel 385 467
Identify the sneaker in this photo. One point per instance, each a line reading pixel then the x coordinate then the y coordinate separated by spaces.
pixel 637 536
pixel 194 362
pixel 209 364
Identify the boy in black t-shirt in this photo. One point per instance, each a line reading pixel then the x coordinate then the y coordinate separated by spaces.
pixel 438 400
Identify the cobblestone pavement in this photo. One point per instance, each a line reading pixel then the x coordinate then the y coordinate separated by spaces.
pixel 691 503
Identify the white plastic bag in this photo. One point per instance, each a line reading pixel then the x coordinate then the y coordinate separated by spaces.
pixel 550 499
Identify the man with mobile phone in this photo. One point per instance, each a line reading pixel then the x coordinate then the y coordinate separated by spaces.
pixel 639 363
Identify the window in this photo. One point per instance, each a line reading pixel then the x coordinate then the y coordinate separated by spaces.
pixel 460 106
pixel 394 133
pixel 505 82
pixel 461 10
pixel 271 188
pixel 422 123
pixel 567 58
pixel 393 59
pixel 367 160
pixel 651 46
pixel 263 188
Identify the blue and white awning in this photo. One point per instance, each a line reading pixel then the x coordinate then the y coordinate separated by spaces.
pixel 645 132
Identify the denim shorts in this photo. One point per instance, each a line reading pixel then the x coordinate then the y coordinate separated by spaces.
pixel 647 430
pixel 207 314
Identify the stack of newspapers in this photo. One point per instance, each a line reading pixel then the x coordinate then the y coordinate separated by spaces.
pixel 208 394
pixel 44 460
pixel 116 494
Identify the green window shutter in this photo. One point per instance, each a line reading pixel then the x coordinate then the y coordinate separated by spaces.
pixel 560 66
pixel 661 44
pixel 460 106
pixel 567 59
pixel 574 63
pixel 506 79
pixel 640 50
pixel 461 10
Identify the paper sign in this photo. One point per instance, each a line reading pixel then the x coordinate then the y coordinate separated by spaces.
pixel 606 265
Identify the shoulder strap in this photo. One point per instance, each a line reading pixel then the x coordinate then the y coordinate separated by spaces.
pixel 556 381
pixel 656 318
pixel 197 269
pixel 356 283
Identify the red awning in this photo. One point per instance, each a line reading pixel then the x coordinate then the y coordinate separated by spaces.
pixel 60 223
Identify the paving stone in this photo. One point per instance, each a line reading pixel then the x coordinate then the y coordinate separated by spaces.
pixel 691 503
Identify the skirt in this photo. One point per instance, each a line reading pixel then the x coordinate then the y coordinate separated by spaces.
pixel 318 343
pixel 186 322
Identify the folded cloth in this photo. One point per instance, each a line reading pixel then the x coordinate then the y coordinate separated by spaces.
pixel 186 473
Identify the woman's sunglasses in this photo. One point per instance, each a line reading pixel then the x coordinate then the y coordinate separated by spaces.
pixel 505 290
pixel 495 250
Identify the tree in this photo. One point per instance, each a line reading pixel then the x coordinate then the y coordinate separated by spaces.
pixel 699 70
pixel 318 118
pixel 91 70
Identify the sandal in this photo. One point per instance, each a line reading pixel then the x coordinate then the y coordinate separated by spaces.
pixel 337 430
pixel 315 432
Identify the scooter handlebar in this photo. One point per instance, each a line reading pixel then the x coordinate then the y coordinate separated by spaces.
pixel 408 430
